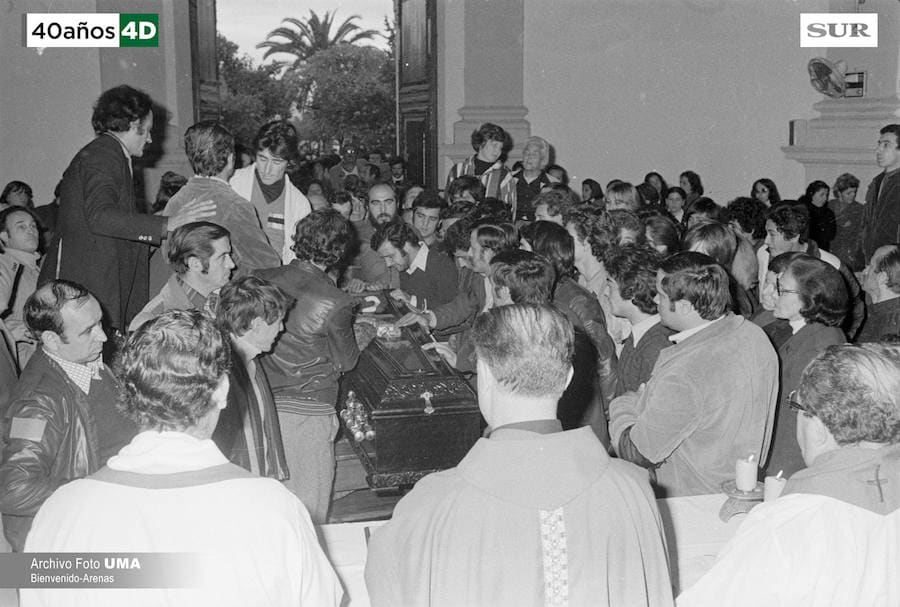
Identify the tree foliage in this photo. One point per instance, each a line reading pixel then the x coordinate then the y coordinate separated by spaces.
pixel 251 95
pixel 347 94
pixel 306 38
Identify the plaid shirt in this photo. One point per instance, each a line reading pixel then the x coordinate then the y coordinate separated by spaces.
pixel 81 374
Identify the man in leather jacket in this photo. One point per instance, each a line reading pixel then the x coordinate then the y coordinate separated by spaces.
pixel 318 345
pixel 61 423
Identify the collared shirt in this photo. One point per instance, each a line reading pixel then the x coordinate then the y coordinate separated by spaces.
pixel 680 337
pixel 81 374
pixel 124 150
pixel 418 263
pixel 208 305
pixel 796 325
pixel 638 330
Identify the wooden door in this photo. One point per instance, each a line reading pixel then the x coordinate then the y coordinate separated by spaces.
pixel 417 81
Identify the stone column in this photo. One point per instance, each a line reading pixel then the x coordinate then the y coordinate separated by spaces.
pixel 843 137
pixel 492 71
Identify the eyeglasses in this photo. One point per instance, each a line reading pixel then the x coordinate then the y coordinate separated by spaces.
pixel 782 291
pixel 795 404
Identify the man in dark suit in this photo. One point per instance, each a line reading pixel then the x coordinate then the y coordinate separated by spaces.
pixel 102 238
pixel 251 312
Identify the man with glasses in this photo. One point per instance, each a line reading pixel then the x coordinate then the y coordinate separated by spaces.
pixel 832 536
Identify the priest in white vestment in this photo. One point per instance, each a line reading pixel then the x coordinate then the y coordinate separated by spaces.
pixel 532 515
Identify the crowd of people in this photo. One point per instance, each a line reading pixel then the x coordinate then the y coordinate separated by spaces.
pixel 169 372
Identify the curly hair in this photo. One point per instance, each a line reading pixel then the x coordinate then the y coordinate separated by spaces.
pixel 323 237
pixel 749 214
pixel 634 268
pixel 118 108
pixel 855 391
pixel 594 227
pixel 169 369
pixel 822 290
pixel 791 219
pixel 491 132
pixel 844 182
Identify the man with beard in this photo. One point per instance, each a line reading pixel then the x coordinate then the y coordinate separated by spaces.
pixel 369 272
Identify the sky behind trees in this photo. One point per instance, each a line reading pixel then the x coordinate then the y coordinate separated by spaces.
pixel 247 23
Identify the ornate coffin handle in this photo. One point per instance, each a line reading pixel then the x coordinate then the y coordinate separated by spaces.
pixel 429 408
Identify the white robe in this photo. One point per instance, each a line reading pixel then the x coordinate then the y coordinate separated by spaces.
pixel 254 535
pixel 806 550
pixel 527 520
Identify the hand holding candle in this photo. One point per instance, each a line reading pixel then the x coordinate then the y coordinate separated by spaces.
pixel 745 473
pixel 774 486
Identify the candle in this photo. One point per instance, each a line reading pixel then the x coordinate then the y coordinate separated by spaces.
pixel 774 486
pixel 745 473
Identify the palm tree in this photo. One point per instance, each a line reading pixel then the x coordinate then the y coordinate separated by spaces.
pixel 312 36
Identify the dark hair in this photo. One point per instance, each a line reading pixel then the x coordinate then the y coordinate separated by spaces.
pixel 663 230
pixel 844 182
pixel 466 183
pixel 169 368
pixel 398 233
pixel 634 267
pixel 43 308
pixel 553 242
pixel 457 236
pixel 699 280
pixel 558 202
pixel 169 184
pixel 716 240
pixel 494 237
pixel 429 199
pixel 595 228
pixel 527 347
pixel 811 190
pixel 791 219
pixel 16 187
pixel 889 263
pixel 665 186
pixel 280 139
pixel 779 263
pixel 675 190
pixel 458 209
pixel 118 108
pixel 323 237
pixel 620 219
pixel 694 179
pixel 529 278
pixel 4 219
pixel 774 196
pixel 565 174
pixel 822 290
pixel 208 145
pixel 647 193
pixel 854 390
pixel 193 239
pixel 749 214
pixel 892 128
pixel 492 209
pixel 706 207
pixel 595 187
pixel 491 132
pixel 396 160
pixel 246 298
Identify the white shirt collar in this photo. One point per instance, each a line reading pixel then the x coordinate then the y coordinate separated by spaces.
pixel 639 329
pixel 796 325
pixel 680 337
pixel 418 263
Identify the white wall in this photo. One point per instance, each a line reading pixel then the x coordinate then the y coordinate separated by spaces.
pixel 45 100
pixel 623 87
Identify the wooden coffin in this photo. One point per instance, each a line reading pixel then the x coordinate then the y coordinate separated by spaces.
pixel 405 411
